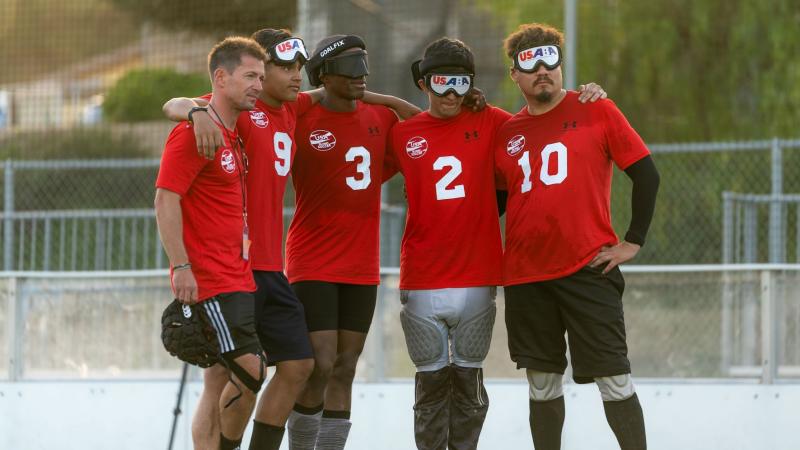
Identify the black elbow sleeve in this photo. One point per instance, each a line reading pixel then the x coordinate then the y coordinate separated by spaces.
pixel 645 178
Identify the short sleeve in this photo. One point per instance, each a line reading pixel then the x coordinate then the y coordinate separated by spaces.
pixel 624 144
pixel 390 167
pixel 300 106
pixel 499 179
pixel 180 162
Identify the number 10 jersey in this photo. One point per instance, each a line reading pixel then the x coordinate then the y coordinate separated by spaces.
pixel 557 167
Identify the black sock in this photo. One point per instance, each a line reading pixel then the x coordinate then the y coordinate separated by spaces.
pixel 547 421
pixel 266 436
pixel 331 414
pixel 627 423
pixel 306 410
pixel 227 444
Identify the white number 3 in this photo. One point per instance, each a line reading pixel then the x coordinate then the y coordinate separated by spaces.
pixel 362 168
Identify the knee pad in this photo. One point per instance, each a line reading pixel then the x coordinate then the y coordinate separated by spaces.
pixel 471 339
pixel 252 383
pixel 423 339
pixel 616 387
pixel 545 386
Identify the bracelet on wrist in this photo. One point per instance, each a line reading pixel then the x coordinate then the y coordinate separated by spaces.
pixel 181 267
pixel 194 110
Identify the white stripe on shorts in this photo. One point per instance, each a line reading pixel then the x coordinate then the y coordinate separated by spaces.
pixel 218 320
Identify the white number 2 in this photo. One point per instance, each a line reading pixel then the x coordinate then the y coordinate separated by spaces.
pixel 283 150
pixel 443 192
pixel 544 174
pixel 362 167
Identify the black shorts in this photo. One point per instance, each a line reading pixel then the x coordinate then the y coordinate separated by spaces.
pixel 337 306
pixel 233 317
pixel 587 305
pixel 280 319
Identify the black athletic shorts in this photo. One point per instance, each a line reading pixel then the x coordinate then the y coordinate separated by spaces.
pixel 587 305
pixel 280 319
pixel 233 317
pixel 337 306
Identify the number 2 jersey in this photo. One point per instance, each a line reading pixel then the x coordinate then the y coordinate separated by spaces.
pixel 557 168
pixel 334 235
pixel 268 135
pixel 452 236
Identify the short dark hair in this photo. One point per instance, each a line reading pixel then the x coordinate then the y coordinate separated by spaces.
pixel 228 53
pixel 530 35
pixel 444 47
pixel 269 37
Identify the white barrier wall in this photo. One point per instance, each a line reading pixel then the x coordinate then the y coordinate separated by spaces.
pixel 40 415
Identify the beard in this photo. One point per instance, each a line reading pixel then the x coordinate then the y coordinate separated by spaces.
pixel 544 97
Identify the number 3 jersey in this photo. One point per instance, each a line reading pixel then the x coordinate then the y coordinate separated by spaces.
pixel 452 236
pixel 557 168
pixel 337 178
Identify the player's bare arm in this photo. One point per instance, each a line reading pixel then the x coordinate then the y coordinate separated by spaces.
pixel 170 228
pixel 207 134
pixel 591 92
pixel 402 108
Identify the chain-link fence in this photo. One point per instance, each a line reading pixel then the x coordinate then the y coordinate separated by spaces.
pixel 688 323
pixel 97 214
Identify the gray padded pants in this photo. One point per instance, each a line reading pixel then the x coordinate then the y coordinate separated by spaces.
pixel 448 325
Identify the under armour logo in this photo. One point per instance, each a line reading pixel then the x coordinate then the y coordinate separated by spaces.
pixel 374 131
pixel 573 125
pixel 473 135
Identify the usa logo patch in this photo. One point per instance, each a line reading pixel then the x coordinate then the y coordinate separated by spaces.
pixel 322 140
pixel 227 161
pixel 416 147
pixel 515 144
pixel 259 118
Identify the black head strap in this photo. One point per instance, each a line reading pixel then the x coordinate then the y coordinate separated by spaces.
pixel 422 67
pixel 330 50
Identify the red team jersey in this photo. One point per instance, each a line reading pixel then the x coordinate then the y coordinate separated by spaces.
pixel 212 206
pixel 452 236
pixel 557 167
pixel 337 178
pixel 268 135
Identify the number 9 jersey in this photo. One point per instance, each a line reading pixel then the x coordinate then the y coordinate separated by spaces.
pixel 452 235
pixel 337 174
pixel 557 168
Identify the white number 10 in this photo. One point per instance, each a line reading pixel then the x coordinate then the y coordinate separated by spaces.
pixel 544 174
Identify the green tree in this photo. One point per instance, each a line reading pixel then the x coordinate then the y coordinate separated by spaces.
pixel 140 93
pixel 681 70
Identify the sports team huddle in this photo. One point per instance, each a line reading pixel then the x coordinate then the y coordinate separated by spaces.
pixel 548 168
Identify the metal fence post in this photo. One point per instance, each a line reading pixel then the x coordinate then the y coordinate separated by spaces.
pixel 13 328
pixel 769 328
pixel 777 253
pixel 8 220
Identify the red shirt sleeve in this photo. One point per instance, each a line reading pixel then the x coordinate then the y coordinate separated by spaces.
pixel 390 167
pixel 180 162
pixel 301 105
pixel 624 144
pixel 499 116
